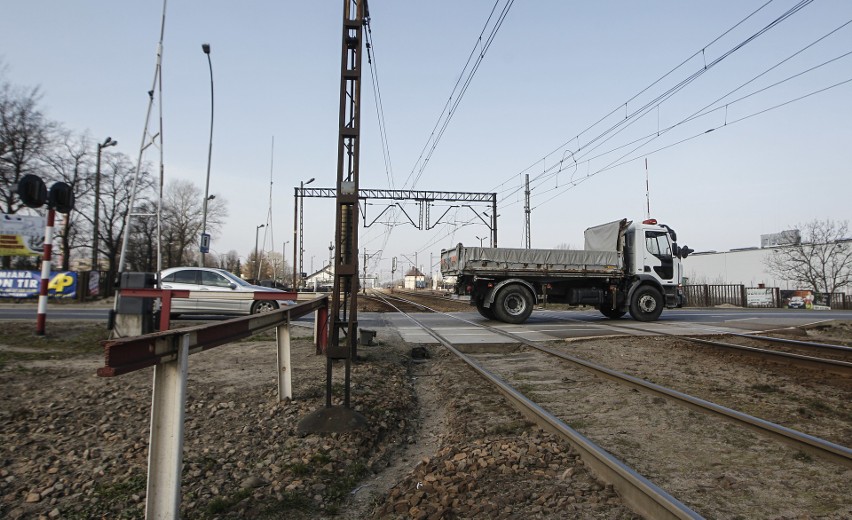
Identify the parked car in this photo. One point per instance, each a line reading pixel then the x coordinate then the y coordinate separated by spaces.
pixel 208 279
pixel 796 302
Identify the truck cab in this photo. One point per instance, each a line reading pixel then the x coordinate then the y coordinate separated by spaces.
pixel 654 259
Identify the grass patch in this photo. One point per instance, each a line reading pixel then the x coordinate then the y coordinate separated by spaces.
pixel 766 389
pixel 113 497
pixel 819 406
pixel 59 342
pixel 289 502
pixel 221 505
pixel 802 456
pixel 508 428
pixel 299 469
pixel 578 424
pixel 340 487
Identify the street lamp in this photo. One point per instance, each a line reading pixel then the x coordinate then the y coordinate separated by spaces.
pixel 205 242
pixel 256 263
pixel 283 258
pixel 480 240
pixel 95 219
pixel 298 218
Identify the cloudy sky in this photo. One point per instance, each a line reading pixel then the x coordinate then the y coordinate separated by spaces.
pixel 741 109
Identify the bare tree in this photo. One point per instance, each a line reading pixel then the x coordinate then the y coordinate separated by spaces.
pixel 24 136
pixel 182 221
pixel 821 261
pixel 116 186
pixel 231 262
pixel 142 245
pixel 68 161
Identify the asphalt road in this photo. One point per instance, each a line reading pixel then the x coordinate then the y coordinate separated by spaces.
pixel 543 325
pixel 546 325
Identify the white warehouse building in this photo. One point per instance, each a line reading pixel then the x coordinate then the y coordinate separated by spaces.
pixel 745 266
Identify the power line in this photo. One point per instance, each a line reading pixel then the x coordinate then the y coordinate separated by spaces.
pixel 616 164
pixel 549 173
pixel 637 114
pixel 453 101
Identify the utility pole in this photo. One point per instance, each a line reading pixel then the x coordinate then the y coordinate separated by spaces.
pixel 527 210
pixel 95 219
pixel 343 315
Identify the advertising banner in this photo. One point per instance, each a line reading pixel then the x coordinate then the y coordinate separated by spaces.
pixel 759 297
pixel 21 235
pixel 25 284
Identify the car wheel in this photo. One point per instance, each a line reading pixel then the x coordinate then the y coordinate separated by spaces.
pixel 264 306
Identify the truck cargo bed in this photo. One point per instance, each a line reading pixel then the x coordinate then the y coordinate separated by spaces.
pixel 484 261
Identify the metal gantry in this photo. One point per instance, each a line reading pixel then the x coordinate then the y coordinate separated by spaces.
pixel 424 197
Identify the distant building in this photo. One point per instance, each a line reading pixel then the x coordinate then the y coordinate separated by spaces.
pixel 414 279
pixel 746 266
pixel 322 280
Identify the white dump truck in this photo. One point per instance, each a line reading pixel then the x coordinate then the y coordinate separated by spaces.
pixel 624 267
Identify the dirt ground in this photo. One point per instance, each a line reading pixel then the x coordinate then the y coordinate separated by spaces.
pixel 75 445
pixel 439 442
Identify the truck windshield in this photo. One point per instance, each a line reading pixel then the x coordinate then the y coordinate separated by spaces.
pixel 657 243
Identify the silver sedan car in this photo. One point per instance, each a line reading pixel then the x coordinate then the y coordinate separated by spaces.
pixel 200 279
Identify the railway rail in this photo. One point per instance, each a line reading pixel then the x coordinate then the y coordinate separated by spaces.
pixel 643 496
pixel 832 358
pixel 836 359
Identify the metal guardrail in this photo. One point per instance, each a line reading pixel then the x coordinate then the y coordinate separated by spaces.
pixel 168 352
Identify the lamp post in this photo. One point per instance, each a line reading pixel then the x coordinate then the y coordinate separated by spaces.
pixel 480 240
pixel 204 246
pixel 256 263
pixel 298 222
pixel 283 258
pixel 95 218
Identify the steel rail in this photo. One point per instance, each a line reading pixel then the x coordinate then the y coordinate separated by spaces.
pixel 642 495
pixel 833 366
pixel 802 441
pixel 796 342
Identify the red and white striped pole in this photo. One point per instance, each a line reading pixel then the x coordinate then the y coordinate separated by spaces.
pixel 45 273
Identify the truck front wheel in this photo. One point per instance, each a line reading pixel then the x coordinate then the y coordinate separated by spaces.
pixel 513 304
pixel 647 304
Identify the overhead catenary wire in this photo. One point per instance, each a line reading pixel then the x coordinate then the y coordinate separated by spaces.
pixel 667 94
pixel 585 149
pixel 465 78
pixel 706 110
pixel 700 134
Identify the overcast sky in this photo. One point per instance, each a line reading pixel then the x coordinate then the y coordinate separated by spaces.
pixel 775 158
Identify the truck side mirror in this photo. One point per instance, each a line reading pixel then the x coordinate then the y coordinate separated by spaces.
pixel 684 251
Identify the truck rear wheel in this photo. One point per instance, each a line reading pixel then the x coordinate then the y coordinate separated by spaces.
pixel 513 304
pixel 647 304
pixel 486 312
pixel 612 314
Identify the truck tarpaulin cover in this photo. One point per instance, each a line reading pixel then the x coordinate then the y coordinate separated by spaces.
pixel 604 237
pixel 527 259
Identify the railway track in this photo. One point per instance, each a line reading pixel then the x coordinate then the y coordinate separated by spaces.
pixel 831 358
pixel 643 496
